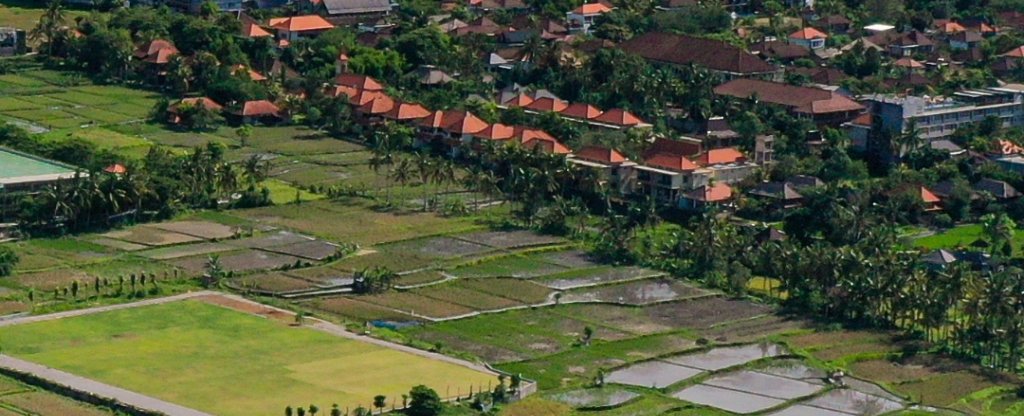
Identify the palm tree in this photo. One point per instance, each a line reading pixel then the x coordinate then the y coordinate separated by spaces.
pixel 426 167
pixel 999 230
pixel 255 169
pixel 402 174
pixel 50 24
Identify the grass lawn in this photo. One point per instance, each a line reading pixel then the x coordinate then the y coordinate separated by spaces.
pixel 952 238
pixel 24 14
pixel 226 362
pixel 282 193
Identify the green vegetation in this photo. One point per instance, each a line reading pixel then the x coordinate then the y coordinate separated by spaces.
pixel 223 347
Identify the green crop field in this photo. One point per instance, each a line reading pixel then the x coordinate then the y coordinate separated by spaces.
pixel 238 364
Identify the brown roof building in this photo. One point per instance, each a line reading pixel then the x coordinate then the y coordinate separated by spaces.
pixel 718 56
pixel 157 51
pixel 824 107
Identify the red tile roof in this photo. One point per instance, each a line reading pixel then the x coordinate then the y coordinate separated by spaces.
pixel 581 111
pixel 618 117
pixel 458 122
pixel 951 27
pixel 305 23
pixel 525 134
pixel 203 101
pixel 361 82
pixel 808 33
pixel 521 100
pixel 340 90
pixel 862 120
pixel 378 105
pixel 253 75
pixel 592 8
pixel 601 154
pixel 929 197
pixel 259 108
pixel 157 51
pixel 253 30
pixel 714 193
pixel 669 161
pixel 908 62
pixel 1017 52
pixel 720 157
pixel 547 145
pixel 117 169
pixel 406 111
pixel 682 50
pixel 806 100
pixel 496 131
pixel 547 104
pixel 362 97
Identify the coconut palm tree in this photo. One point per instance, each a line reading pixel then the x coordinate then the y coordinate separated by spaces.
pixel 50 24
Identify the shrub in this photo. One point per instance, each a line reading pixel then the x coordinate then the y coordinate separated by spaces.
pixel 424 401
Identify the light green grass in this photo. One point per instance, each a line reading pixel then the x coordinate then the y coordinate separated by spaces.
pixel 283 193
pixel 25 15
pixel 226 362
pixel 963 236
pixel 952 238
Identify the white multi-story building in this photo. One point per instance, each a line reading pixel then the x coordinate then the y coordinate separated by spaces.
pixel 938 117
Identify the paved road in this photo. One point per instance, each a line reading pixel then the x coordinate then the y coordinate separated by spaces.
pixel 99 389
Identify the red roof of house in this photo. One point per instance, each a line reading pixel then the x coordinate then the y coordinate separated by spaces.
pixel 338 90
pixel 862 120
pixel 714 193
pixel 720 157
pixel 406 111
pixel 618 117
pixel 592 8
pixel 362 97
pixel 548 145
pixel 547 104
pixel 305 23
pixel 361 82
pixel 808 33
pixel 206 102
pixel 683 50
pixel 524 133
pixel 259 108
pixel 117 169
pixel 253 30
pixel 378 105
pixel 929 197
pixel 581 111
pixel 908 62
pixel 1017 52
pixel 253 75
pixel 458 122
pixel 601 154
pixel 673 162
pixel 157 51
pixel 521 100
pixel 807 100
pixel 951 27
pixel 496 131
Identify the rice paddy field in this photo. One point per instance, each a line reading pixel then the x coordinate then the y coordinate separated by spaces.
pixel 17 399
pixel 239 364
